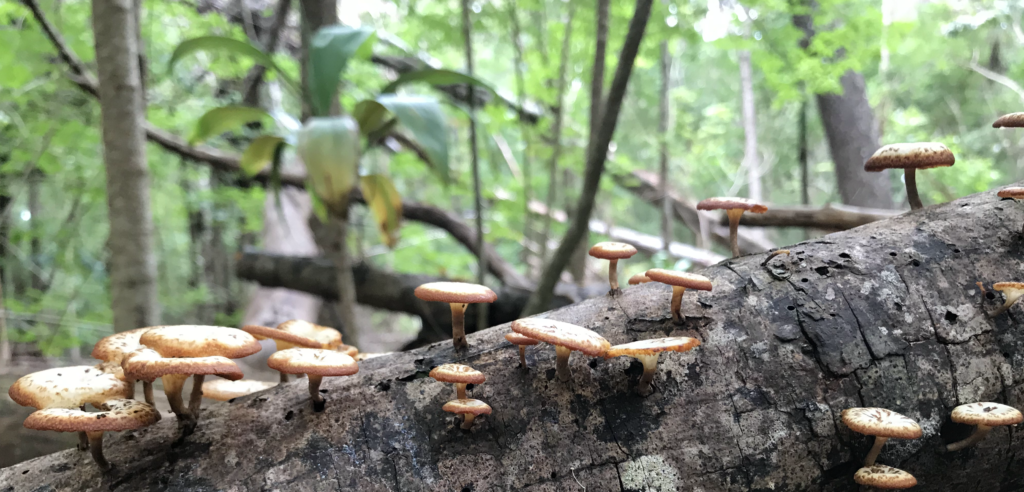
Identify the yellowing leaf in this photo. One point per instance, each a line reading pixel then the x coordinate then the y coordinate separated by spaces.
pixel 330 148
pixel 222 119
pixel 260 153
pixel 385 203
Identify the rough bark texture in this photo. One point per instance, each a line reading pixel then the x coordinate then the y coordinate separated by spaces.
pixel 885 315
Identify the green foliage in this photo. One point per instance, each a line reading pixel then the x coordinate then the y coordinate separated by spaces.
pixel 223 119
pixel 262 151
pixel 330 50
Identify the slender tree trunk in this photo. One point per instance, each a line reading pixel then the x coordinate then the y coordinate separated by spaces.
pixel 805 186
pixel 751 160
pixel 556 152
pixel 474 154
pixel 35 179
pixel 133 285
pixel 524 133
pixel 5 338
pixel 663 126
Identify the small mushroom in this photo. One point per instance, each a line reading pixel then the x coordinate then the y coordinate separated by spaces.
pixel 734 208
pixel 647 352
pixel 315 364
pixel 565 337
pixel 1012 120
pixel 469 408
pixel 459 374
pixel 881 423
pixel 680 281
pixel 984 415
pixel 1014 192
pixel 115 347
pixel 457 294
pixel 1012 291
pixel 910 157
pixel 884 477
pixel 640 278
pixel 520 341
pixel 225 389
pixel 296 333
pixel 613 252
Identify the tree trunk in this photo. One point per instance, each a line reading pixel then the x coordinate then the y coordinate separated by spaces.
pixel 35 255
pixel 663 125
pixel 524 132
pixel 133 286
pixel 474 154
pixel 556 138
pixel 886 315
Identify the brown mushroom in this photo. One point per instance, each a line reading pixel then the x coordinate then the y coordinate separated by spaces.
pixel 349 350
pixel 1012 291
pixel 1014 192
pixel 469 408
pixel 640 278
pixel 296 333
pixel 680 281
pixel 984 415
pixel 565 337
pixel 613 252
pixel 884 477
pixel 734 208
pixel 459 374
pixel 910 157
pixel 115 347
pixel 315 364
pixel 457 294
pixel 226 390
pixel 647 352
pixel 521 342
pixel 1012 120
pixel 881 423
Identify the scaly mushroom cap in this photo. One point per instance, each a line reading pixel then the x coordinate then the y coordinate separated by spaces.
pixel 987 414
pixel 1012 120
pixel 224 390
pixel 318 362
pixel 117 415
pixel 349 350
pixel 457 373
pixel 1011 192
pixel 467 405
pixel 923 155
pixel 114 347
pixel 326 337
pixel 612 251
pixel 200 341
pixel 654 346
pixel 147 365
pixel 679 279
pixel 881 422
pixel 267 333
pixel 731 203
pixel 455 292
pixel 68 387
pixel 884 477
pixel 1008 287
pixel 562 334
pixel 517 339
pixel 640 278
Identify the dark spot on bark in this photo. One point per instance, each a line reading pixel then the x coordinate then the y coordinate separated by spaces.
pixel 951 316
pixel 951 431
pixel 841 471
pixel 550 374
pixel 289 415
pixel 705 305
pixel 383 386
pixel 990 295
pixel 611 308
pixel 915 263
pixel 898 306
pixel 468 488
pixel 822 270
pixel 24 472
pixel 634 370
pixel 554 475
pixel 957 250
pixel 692 374
pixel 408 378
pixel 232 400
pixel 323 391
pixel 592 363
pixel 791 308
pixel 892 253
pixel 845 255
pixel 469 387
pixel 804 280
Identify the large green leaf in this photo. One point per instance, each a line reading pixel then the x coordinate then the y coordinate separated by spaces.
pixel 436 76
pixel 385 203
pixel 260 153
pixel 330 50
pixel 330 148
pixel 371 115
pixel 423 117
pixel 222 119
pixel 226 45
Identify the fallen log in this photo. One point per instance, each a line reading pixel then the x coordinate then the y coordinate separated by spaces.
pixel 887 315
pixel 831 217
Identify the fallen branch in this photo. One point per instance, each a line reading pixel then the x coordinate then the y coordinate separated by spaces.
pixel 831 217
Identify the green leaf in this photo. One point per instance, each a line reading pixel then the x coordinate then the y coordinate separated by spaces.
pixel 385 203
pixel 330 148
pixel 219 43
pixel 260 153
pixel 371 116
pixel 423 117
pixel 436 76
pixel 330 50
pixel 222 119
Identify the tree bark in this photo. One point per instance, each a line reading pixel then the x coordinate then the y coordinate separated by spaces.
pixel 34 181
pixel 755 407
pixel 133 286
pixel 474 154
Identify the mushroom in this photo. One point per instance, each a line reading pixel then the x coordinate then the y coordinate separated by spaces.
pixel 115 347
pixel 734 208
pixel 115 415
pixel 680 281
pixel 315 364
pixel 884 477
pixel 226 390
pixel 1014 192
pixel 296 333
pixel 985 415
pixel 459 374
pixel 1012 291
pixel 457 294
pixel 647 352
pixel 613 252
pixel 349 350
pixel 565 337
pixel 910 157
pixel 469 408
pixel 1012 120
pixel 520 341
pixel 640 278
pixel 881 423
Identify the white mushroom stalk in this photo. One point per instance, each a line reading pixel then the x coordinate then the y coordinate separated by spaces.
pixel 875 450
pixel 979 434
pixel 650 363
pixel 677 303
pixel 734 215
pixel 562 363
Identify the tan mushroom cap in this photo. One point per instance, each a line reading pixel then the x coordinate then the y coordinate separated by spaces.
pixel 118 415
pixel 1008 286
pixel 68 387
pixel 562 334
pixel 517 339
pixel 325 336
pixel 612 251
pixel 349 350
pixel 922 155
pixel 987 413
pixel 1012 120
pixel 884 477
pixel 200 341
pixel 640 278
pixel 457 373
pixel 880 422
pixel 114 347
pixel 467 405
pixel 455 292
pixel 731 203
pixel 317 362
pixel 224 390
pixel 679 279
pixel 147 365
pixel 654 346
pixel 1011 192
pixel 267 333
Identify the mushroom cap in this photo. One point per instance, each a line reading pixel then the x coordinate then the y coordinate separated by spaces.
pixel 922 155
pixel 114 347
pixel 884 477
pixel 1011 192
pixel 640 278
pixel 987 413
pixel 457 373
pixel 224 390
pixel 881 422
pixel 267 333
pixel 318 362
pixel 517 339
pixel 117 415
pixel 349 350
pixel 324 336
pixel 455 292
pixel 147 364
pixel 200 341
pixel 562 334
pixel 653 346
pixel 467 405
pixel 1012 120
pixel 731 203
pixel 679 279
pixel 609 250
pixel 1008 286
pixel 68 387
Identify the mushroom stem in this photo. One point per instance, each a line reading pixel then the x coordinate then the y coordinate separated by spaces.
pixel 83 439
pixel 147 392
pixel 979 434
pixel 677 303
pixel 562 363
pixel 522 356
pixel 650 363
pixel 195 401
pixel 1011 298
pixel 734 226
pixel 467 420
pixel 284 377
pixel 314 392
pixel 613 275
pixel 875 450
pixel 173 384
pixel 910 177
pixel 96 446
pixel 460 391
pixel 459 325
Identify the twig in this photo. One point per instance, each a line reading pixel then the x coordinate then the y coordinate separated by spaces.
pixel 573 472
pixel 996 77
